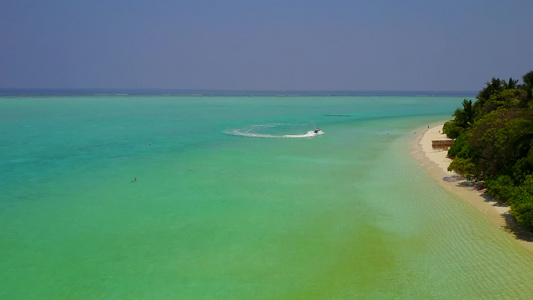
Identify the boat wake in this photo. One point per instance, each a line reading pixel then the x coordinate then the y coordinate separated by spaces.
pixel 275 130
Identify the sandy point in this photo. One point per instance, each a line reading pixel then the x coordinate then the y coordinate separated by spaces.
pixel 436 162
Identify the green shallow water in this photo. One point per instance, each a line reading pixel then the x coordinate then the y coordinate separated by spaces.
pixel 213 215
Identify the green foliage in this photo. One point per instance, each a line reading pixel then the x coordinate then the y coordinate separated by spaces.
pixel 452 130
pixel 522 203
pixel 501 187
pixel 503 99
pixel 520 197
pixel 460 147
pixel 511 84
pixel 493 87
pixel 463 118
pixel 528 79
pixel 494 141
pixel 523 210
pixel 527 90
pixel 521 170
pixel 463 166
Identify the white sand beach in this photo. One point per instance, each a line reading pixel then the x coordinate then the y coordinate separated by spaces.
pixel 437 163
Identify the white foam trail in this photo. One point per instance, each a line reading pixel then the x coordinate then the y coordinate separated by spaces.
pixel 251 132
pixel 308 134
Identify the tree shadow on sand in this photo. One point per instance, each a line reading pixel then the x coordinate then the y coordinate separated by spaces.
pixel 511 225
pixel 517 229
pixel 453 178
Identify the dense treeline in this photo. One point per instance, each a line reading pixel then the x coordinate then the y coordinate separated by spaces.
pixel 494 143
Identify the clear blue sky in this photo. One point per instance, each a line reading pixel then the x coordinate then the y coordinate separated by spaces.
pixel 264 45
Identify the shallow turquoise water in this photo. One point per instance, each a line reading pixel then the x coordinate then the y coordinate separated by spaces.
pixel 214 215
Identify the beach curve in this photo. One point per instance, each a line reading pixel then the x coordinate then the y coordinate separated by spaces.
pixel 436 162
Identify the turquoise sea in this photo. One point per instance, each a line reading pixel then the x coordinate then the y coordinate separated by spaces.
pixel 233 201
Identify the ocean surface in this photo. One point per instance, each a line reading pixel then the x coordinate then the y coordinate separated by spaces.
pixel 232 197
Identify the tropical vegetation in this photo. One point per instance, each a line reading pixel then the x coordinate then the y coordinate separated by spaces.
pixel 494 143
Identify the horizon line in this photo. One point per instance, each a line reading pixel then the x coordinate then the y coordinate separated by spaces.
pixel 221 92
pixel 234 90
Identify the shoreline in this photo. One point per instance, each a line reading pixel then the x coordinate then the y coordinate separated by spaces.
pixel 436 163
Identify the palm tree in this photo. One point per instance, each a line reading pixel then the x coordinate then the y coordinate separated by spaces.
pixel 493 87
pixel 468 108
pixel 528 79
pixel 465 117
pixel 523 143
pixel 527 88
pixel 511 85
